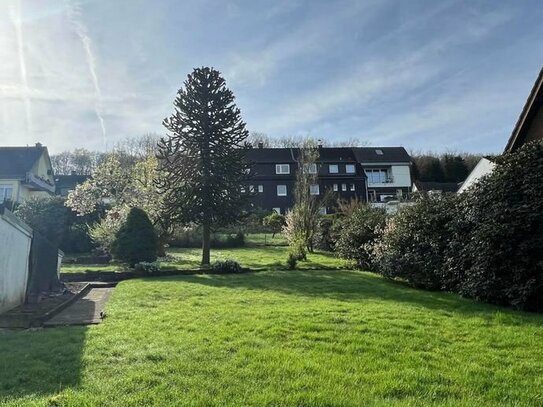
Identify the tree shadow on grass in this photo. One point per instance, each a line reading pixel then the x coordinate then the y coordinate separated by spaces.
pixel 353 286
pixel 40 362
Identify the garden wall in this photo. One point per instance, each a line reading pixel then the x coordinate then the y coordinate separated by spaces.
pixel 15 241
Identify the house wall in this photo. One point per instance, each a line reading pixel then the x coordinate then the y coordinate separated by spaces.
pixel 15 240
pixel 15 185
pixel 42 168
pixel 483 167
pixel 535 132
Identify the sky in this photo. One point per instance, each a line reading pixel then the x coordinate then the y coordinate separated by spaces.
pixel 424 74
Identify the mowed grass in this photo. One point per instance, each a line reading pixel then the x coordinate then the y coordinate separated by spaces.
pixel 278 338
pixel 256 257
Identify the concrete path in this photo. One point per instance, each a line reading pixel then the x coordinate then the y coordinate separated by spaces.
pixel 85 310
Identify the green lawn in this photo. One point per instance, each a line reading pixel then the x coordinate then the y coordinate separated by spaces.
pixel 269 257
pixel 277 338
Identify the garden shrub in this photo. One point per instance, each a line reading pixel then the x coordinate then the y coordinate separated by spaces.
pixel 412 244
pixel 274 222
pixel 354 233
pixel 145 268
pixel 298 249
pixel 226 267
pixel 323 238
pixel 50 217
pixel 136 241
pixel 501 233
pixel 292 261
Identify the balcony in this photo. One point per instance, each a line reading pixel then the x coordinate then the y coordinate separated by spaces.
pixel 36 183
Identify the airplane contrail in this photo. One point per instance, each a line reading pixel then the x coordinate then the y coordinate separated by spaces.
pixel 16 17
pixel 74 15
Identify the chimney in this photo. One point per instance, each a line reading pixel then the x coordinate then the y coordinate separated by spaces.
pixel 260 145
pixel 319 145
pixel 38 144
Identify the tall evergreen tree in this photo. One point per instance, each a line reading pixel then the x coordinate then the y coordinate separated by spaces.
pixel 203 160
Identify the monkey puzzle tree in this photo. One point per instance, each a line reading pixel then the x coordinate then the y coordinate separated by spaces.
pixel 203 160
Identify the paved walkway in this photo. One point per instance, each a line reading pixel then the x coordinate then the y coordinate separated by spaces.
pixel 86 310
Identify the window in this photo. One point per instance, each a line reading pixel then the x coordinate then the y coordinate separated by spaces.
pixel 352 187
pixel 282 168
pixel 6 192
pixel 379 152
pixel 386 198
pixel 377 175
pixel 344 187
pixel 277 210
pixel 350 169
pixel 399 193
pixel 281 190
pixel 333 169
pixel 242 190
pixel 261 188
pixel 314 189
pixel 251 189
pixel 372 196
pixel 335 187
pixel 322 211
pixel 311 168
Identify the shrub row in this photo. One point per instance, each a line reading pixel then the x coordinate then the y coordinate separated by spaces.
pixel 486 243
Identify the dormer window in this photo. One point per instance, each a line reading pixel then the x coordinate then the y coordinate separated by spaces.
pixel 349 168
pixel 379 151
pixel 333 168
pixel 282 168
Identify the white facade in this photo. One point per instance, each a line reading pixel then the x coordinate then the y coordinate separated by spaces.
pixel 483 167
pixel 15 240
pixel 399 176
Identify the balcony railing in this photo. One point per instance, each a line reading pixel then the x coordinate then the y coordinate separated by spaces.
pixel 38 183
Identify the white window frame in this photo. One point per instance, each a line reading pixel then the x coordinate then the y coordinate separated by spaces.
pixel 243 190
pixel 322 210
pixel 261 188
pixel 3 195
pixel 382 176
pixel 352 187
pixel 344 187
pixel 335 167
pixel 282 168
pixel 335 187
pixel 282 194
pixel 350 168
pixel 277 210
pixel 251 189
pixel 314 189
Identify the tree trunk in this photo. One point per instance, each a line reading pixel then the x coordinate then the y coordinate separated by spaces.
pixel 206 237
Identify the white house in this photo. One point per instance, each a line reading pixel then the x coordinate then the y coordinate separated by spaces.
pixel 388 172
pixel 25 172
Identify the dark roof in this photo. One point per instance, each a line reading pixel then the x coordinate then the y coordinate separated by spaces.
pixel 524 122
pixel 270 155
pixel 70 181
pixel 335 154
pixel 15 162
pixel 437 186
pixel 332 154
pixel 390 155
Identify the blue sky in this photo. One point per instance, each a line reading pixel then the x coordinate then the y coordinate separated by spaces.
pixel 427 75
